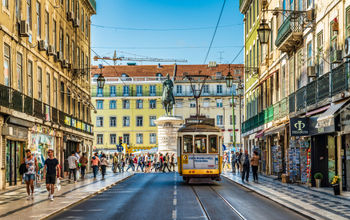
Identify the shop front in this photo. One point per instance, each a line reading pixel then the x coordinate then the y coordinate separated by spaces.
pixel 345 148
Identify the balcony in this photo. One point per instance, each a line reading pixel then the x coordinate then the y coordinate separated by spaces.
pixel 323 87
pixel 301 98
pixel 93 4
pixel 38 109
pixel 339 79
pixel 4 96
pixel 311 93
pixel 290 33
pixel 292 103
pixel 244 5
pixel 17 100
pixel 28 105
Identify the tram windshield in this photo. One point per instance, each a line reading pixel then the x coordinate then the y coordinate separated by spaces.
pixel 188 144
pixel 213 144
pixel 200 144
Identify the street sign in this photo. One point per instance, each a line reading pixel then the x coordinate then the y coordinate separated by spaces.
pixel 120 148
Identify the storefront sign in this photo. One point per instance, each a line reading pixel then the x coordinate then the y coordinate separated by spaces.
pixel 67 121
pixel 299 126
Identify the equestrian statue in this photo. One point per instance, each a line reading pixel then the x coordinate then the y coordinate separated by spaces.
pixel 168 99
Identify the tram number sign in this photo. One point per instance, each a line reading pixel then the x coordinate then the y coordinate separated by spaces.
pixel 184 159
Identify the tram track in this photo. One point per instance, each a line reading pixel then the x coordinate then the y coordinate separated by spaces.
pixel 204 208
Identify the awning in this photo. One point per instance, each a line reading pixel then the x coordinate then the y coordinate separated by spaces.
pixel 260 133
pixel 316 111
pixel 327 118
pixel 275 130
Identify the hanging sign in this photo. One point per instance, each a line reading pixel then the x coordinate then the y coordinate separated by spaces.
pixel 299 126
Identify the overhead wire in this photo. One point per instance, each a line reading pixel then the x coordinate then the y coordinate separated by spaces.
pixel 216 28
pixel 167 48
pixel 234 59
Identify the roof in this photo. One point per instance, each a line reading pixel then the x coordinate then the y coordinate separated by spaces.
pixel 179 70
pixel 199 128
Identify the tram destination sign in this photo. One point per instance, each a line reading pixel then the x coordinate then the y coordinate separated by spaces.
pixel 194 120
pixel 299 126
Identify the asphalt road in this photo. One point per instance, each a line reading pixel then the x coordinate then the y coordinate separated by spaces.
pixel 165 196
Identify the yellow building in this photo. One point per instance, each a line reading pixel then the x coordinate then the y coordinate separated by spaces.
pixel 44 81
pixel 127 106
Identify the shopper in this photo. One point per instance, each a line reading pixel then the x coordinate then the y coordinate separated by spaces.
pixel 246 166
pixel 50 169
pixel 83 163
pixel 233 161
pixel 104 164
pixel 95 163
pixel 255 163
pixel 73 164
pixel 29 176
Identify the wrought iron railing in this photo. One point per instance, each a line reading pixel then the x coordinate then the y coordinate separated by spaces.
pixel 28 105
pixel 17 100
pixel 54 113
pixel 339 81
pixel 300 96
pixel 323 87
pixel 4 96
pixel 288 26
pixel 38 109
pixel 292 103
pixel 311 93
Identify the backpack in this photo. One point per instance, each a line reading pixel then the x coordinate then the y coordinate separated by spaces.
pixel 23 169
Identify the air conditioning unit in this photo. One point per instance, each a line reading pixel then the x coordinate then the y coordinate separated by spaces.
pixel 42 45
pixel 51 50
pixel 310 15
pixel 60 56
pixel 311 71
pixel 76 22
pixel 70 16
pixel 337 56
pixel 65 64
pixel 24 29
pixel 347 47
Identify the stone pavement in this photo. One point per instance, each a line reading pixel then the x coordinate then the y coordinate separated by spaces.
pixel 311 202
pixel 14 205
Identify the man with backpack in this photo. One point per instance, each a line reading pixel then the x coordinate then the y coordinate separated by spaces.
pixel 95 163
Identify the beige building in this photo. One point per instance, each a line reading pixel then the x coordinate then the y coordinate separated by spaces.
pixel 44 81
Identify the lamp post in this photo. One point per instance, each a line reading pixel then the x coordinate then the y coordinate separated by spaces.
pixel 100 79
pixel 229 81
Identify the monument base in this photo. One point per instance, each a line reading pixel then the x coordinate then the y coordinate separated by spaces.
pixel 167 133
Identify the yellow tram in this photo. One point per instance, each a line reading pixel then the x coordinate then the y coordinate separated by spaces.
pixel 199 154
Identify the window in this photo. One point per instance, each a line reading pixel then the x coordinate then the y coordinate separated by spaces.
pixel 200 144
pixel 139 104
pixel 112 121
pixel 113 139
pixel 347 22
pixel 139 90
pixel 19 72
pixel 218 75
pixel 67 5
pixel 231 122
pixel 309 54
pixel 309 3
pixel 192 103
pixel 219 103
pixel 206 89
pixel 206 102
pixel 126 104
pixel 179 103
pixel 99 104
pixel 219 120
pixel 179 89
pixel 112 91
pixel 47 29
pixel 188 144
pixel 99 92
pixel 38 19
pixel 48 88
pixel 40 83
pixel 152 104
pixel 213 144
pixel 55 34
pixel 99 121
pixel 126 121
pixel 319 57
pixel 126 139
pixel 82 20
pixel 55 92
pixel 62 96
pixel 61 45
pixel 219 89
pixel 152 90
pixel 7 65
pixel 152 138
pixel 112 104
pixel 139 138
pixel 29 13
pixel 18 9
pixel 139 121
pixel 152 121
pixel 67 48
pixel 126 90
pixel 5 3
pixel 99 139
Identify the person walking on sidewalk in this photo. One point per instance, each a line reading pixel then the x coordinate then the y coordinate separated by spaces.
pixel 83 163
pixel 255 163
pixel 50 169
pixel 233 161
pixel 95 162
pixel 246 167
pixel 104 164
pixel 29 176
pixel 115 163
pixel 73 164
pixel 238 162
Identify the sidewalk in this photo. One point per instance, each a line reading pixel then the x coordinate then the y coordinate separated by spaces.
pixel 14 205
pixel 311 202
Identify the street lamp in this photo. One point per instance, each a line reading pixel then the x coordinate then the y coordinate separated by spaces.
pixel 264 32
pixel 100 80
pixel 229 81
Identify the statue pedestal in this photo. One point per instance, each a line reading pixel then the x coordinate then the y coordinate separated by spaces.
pixel 167 133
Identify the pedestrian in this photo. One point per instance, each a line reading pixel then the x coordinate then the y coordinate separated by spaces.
pixel 95 163
pixel 104 164
pixel 139 163
pixel 50 169
pixel 233 161
pixel 172 162
pixel 147 161
pixel 255 163
pixel 121 162
pixel 246 167
pixel 29 176
pixel 73 164
pixel 225 161
pixel 238 162
pixel 130 162
pixel 115 163
pixel 83 163
pixel 166 162
pixel 155 163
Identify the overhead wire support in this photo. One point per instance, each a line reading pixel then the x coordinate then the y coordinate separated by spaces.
pixel 216 28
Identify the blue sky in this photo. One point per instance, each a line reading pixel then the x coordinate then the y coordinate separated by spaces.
pixel 138 28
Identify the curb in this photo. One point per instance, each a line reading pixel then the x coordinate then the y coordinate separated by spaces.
pixel 86 198
pixel 271 199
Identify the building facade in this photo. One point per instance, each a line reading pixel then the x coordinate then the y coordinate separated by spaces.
pixel 300 121
pixel 44 80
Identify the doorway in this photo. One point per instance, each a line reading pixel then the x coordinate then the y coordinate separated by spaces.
pixel 14 158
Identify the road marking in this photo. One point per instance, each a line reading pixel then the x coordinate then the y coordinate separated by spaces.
pixel 174 214
pixel 174 202
pixel 174 193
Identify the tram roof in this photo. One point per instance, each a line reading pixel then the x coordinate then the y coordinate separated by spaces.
pixel 199 128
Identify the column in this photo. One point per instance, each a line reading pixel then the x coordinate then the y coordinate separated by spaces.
pixel 339 161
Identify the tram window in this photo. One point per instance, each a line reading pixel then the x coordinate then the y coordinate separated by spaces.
pixel 188 144
pixel 213 144
pixel 200 144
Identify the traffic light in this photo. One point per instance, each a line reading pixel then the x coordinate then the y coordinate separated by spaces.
pixel 120 140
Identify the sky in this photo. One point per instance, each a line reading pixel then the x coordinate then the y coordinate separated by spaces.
pixel 173 29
